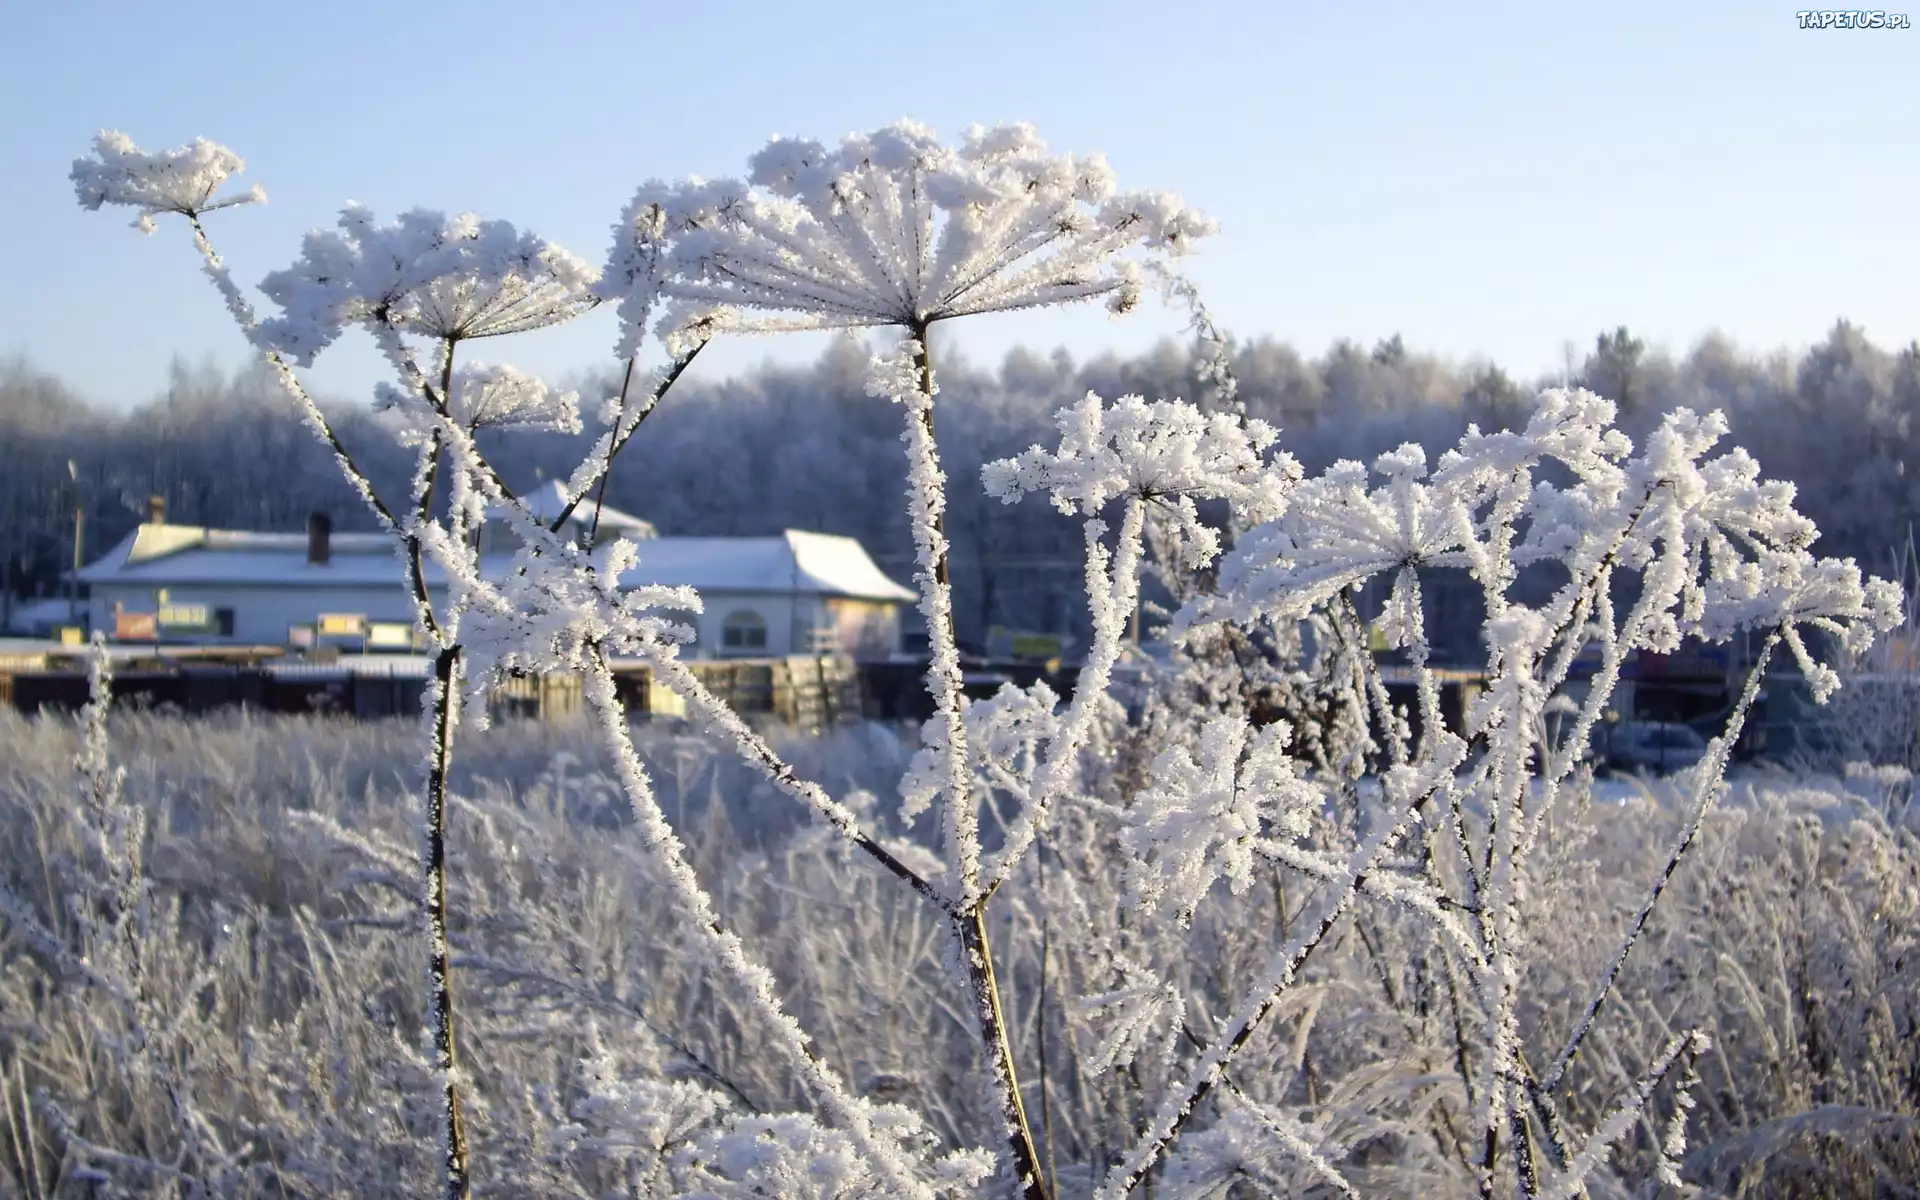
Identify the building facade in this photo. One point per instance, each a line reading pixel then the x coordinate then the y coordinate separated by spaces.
pixel 763 597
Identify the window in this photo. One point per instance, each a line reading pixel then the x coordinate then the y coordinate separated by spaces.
pixel 223 622
pixel 744 630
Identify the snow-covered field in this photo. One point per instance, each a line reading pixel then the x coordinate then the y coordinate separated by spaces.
pixel 285 945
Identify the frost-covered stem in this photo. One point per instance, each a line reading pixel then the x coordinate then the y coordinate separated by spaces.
pixel 624 1007
pixel 675 675
pixel 1372 686
pixel 1462 1058
pixel 977 954
pixel 1515 693
pixel 1685 1043
pixel 1706 791
pixel 606 468
pixel 1289 1135
pixel 1111 595
pixel 928 505
pixel 119 834
pixel 1041 1010
pixel 1428 901
pixel 1550 1122
pixel 1419 654
pixel 619 438
pixel 1253 1009
pixel 443 703
pixel 1525 1167
pixel 725 950
pixel 243 314
pixel 412 548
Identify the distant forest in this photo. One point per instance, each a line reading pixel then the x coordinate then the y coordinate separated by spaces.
pixel 805 447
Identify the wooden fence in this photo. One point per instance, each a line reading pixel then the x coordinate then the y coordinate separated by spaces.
pixel 806 692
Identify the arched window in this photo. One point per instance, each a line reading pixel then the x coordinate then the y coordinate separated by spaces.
pixel 743 630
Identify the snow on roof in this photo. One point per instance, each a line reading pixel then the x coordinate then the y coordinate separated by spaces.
pixel 795 562
pixel 548 501
pixel 182 554
pixel 811 564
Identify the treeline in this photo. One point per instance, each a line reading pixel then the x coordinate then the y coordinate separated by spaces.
pixel 805 447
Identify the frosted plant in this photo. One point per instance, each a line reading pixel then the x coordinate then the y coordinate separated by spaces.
pixel 896 229
pixel 422 280
pixel 1201 814
pixel 1716 551
pixel 186 181
pixel 791 1155
pixel 1254 1144
pixel 891 228
pixel 448 279
pixel 1143 1014
pixel 1642 547
pixel 482 397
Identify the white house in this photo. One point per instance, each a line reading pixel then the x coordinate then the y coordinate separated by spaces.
pixel 794 593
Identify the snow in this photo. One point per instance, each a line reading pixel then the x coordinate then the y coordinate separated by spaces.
pixel 890 228
pixel 546 502
pixel 184 181
pixel 795 562
pixel 438 276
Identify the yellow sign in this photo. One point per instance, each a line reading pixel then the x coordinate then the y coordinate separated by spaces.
pixel 1037 645
pixel 190 615
pixel 343 625
pixel 70 635
pixel 384 635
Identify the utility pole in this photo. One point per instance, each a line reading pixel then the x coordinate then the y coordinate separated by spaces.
pixel 6 567
pixel 79 535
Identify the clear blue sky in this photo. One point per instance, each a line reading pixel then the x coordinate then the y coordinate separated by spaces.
pixel 1485 179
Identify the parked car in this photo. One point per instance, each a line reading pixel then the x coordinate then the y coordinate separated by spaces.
pixel 1657 746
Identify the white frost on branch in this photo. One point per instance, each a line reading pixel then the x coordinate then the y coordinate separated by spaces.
pixel 794 1157
pixel 889 228
pixel 501 397
pixel 1165 451
pixel 185 180
pixel 1202 814
pixel 445 278
pixel 1142 1015
pixel 1006 733
pixel 1257 1144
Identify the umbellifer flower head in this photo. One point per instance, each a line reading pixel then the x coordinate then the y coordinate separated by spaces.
pixel 890 228
pixel 184 180
pixel 425 273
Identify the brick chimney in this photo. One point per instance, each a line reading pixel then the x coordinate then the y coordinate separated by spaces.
pixel 319 539
pixel 156 510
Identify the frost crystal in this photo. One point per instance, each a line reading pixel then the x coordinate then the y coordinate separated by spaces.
pixel 890 228
pixel 1163 450
pixel 181 181
pixel 426 274
pixel 483 397
pixel 1200 816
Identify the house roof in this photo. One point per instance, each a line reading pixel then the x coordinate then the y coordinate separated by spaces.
pixel 795 562
pixel 549 500
pixel 188 554
pixel 810 564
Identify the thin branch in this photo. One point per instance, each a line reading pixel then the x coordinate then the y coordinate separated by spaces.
pixel 1706 792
